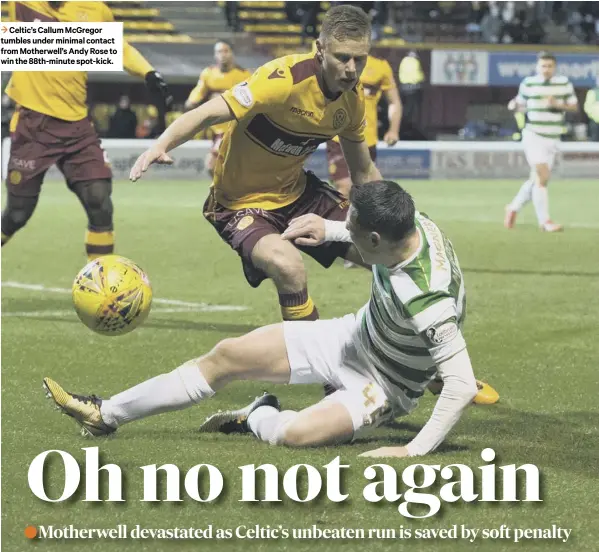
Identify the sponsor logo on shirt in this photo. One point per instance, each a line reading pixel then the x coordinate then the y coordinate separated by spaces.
pixel 298 150
pixel 302 112
pixel 443 333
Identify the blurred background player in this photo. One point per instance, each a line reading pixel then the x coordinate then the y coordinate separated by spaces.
pixel 545 98
pixel 280 116
pixel 591 108
pixel 213 81
pixel 51 126
pixel 376 79
pixel 411 79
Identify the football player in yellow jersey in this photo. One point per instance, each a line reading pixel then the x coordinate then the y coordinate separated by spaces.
pixel 51 126
pixel 213 82
pixel 279 117
pixel 376 79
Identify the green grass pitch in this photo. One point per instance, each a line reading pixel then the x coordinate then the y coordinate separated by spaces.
pixel 533 317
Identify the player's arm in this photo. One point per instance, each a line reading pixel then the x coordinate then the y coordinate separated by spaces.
pixel 447 348
pixel 183 129
pixel 312 230
pixel 358 160
pixel 138 66
pixel 257 95
pixel 459 388
pixel 395 109
pixel 519 102
pixel 198 94
pixel 569 104
pixel 354 147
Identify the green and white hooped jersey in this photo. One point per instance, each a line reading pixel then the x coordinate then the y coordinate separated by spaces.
pixel 534 93
pixel 412 321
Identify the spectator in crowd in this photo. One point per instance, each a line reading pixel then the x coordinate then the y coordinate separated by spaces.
pixel 123 123
pixel 411 79
pixel 379 13
pixel 306 14
pixel 231 9
pixel 591 108
pixel 149 127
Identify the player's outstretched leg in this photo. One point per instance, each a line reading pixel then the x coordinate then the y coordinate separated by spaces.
pixel 235 421
pixel 95 197
pixel 325 423
pixel 260 355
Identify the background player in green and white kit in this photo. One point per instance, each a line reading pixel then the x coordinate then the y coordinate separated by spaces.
pixel 381 360
pixel 545 98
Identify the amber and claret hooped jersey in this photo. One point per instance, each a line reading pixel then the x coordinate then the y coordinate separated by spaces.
pixel 213 82
pixel 60 94
pixel 376 78
pixel 282 116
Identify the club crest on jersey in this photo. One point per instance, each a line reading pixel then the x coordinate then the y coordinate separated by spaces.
pixel 245 222
pixel 243 95
pixel 15 177
pixel 339 118
pixel 443 333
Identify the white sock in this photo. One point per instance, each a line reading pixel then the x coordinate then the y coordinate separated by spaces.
pixel 268 424
pixel 523 196
pixel 175 390
pixel 540 199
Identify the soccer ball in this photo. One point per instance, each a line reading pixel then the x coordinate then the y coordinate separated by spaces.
pixel 112 295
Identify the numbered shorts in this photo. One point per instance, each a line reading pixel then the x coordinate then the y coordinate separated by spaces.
pixel 539 149
pixel 323 351
pixel 338 168
pixel 242 229
pixel 39 141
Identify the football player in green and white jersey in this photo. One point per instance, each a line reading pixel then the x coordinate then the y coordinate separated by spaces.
pixel 545 98
pixel 381 360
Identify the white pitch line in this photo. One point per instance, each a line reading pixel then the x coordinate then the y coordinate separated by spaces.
pixel 197 307
pixel 68 313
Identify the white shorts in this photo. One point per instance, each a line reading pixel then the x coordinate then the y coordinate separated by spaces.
pixel 324 351
pixel 539 149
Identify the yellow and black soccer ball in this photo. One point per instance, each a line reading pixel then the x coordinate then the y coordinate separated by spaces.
pixel 112 295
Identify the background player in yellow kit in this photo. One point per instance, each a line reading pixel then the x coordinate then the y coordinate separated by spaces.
pixel 213 81
pixel 51 126
pixel 279 117
pixel 377 80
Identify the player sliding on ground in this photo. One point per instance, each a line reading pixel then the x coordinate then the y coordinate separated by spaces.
pixel 381 359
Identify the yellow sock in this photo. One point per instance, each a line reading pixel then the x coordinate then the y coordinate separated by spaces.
pixel 98 244
pixel 305 311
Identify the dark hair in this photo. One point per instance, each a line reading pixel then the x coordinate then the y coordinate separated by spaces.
pixel 546 55
pixel 345 22
pixel 222 41
pixel 384 207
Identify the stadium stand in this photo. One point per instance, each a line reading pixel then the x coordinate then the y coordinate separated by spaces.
pixel 142 22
